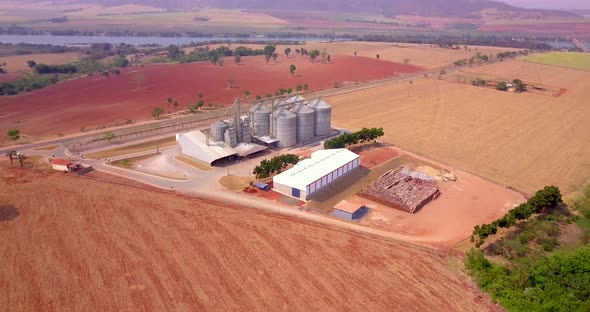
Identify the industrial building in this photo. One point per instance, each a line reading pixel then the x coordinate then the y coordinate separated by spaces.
pixel 349 211
pixel 282 122
pixel 311 175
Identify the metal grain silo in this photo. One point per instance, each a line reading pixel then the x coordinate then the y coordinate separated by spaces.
pixel 260 120
pixel 231 137
pixel 305 122
pixel 246 136
pixel 323 117
pixel 218 130
pixel 285 127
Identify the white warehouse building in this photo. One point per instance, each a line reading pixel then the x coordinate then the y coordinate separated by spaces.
pixel 311 175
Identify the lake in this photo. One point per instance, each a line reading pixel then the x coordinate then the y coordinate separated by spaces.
pixel 163 41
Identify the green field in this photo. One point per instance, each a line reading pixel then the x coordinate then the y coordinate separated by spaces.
pixel 576 60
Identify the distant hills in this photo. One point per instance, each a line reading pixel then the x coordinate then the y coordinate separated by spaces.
pixel 442 8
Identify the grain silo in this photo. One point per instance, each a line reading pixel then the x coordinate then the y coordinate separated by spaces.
pixel 323 117
pixel 231 137
pixel 218 130
pixel 305 122
pixel 285 127
pixel 246 136
pixel 260 120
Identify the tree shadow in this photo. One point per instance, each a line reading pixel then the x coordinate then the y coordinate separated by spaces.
pixel 8 213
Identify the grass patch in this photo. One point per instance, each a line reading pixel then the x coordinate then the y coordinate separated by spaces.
pixel 194 163
pixel 47 148
pixel 576 60
pixel 133 148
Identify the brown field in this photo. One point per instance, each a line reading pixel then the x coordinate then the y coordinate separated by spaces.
pixel 78 243
pixel 96 101
pixel 523 140
pixel 422 55
pixel 18 63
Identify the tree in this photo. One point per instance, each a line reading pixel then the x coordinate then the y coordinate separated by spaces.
pixel 237 59
pixel 174 52
pixel 313 54
pixel 275 56
pixel 169 101
pixel 329 59
pixel 11 155
pixel 354 53
pixel 121 61
pixel 246 93
pixel 298 88
pixel 109 136
pixel 406 61
pixel 258 97
pixel 31 64
pixel 502 86
pixel 214 58
pixel 269 50
pixel 287 51
pixel 139 79
pixel 410 86
pixel 378 56
pixel 175 104
pixel 117 72
pixel 292 69
pixel 157 112
pixel 267 58
pixel 305 87
pixel 289 90
pixel 14 134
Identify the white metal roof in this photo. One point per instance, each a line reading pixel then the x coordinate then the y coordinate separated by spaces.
pixel 312 169
pixel 194 144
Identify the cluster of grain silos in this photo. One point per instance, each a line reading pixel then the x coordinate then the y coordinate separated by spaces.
pixel 291 121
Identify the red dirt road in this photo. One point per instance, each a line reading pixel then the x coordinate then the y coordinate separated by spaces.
pixel 73 243
pixel 94 101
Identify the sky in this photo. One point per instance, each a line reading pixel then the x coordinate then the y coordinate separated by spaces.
pixel 551 4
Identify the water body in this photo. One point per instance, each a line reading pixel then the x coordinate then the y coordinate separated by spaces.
pixel 163 41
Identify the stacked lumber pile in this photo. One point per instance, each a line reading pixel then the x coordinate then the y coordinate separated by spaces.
pixel 402 190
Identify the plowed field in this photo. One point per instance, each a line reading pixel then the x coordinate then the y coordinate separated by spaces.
pixel 95 100
pixel 71 243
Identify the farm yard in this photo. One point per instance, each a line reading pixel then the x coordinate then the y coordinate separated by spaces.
pixel 135 246
pixel 525 141
pixel 95 101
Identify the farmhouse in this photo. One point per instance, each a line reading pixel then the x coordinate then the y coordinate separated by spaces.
pixel 349 211
pixel 61 164
pixel 313 174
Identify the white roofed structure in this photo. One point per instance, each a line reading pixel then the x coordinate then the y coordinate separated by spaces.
pixel 195 144
pixel 312 174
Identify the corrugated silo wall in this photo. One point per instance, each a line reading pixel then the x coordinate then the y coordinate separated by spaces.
pixel 262 123
pixel 285 129
pixel 323 121
pixel 305 125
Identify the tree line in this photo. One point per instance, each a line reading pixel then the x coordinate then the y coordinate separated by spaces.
pixel 346 139
pixel 269 167
pixel 548 197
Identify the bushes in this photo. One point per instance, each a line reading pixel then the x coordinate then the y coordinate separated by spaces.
pixel 365 135
pixel 558 282
pixel 549 197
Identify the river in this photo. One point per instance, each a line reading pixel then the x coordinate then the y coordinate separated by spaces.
pixel 163 41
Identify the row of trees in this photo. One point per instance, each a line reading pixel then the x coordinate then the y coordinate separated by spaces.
pixel 365 135
pixel 269 167
pixel 517 84
pixel 478 58
pixel 548 197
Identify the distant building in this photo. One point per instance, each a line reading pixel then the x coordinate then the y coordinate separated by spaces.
pixel 349 211
pixel 61 164
pixel 311 175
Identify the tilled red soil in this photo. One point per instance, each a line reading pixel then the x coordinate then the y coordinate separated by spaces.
pixel 95 100
pixel 78 244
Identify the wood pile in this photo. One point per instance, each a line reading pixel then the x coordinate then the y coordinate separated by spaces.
pixel 400 190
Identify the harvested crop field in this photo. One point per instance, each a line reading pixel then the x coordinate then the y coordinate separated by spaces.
pixel 107 246
pixel 95 100
pixel 573 28
pixel 575 60
pixel 523 140
pixel 18 63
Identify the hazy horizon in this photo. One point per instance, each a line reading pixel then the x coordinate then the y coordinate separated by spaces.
pixel 551 4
